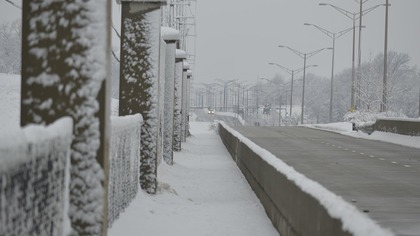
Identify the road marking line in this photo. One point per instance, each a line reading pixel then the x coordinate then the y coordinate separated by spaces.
pixel 362 153
pixel 381 159
pixel 371 156
pixel 353 151
pixel 407 166
pixel 394 162
pixel 340 147
pixel 346 149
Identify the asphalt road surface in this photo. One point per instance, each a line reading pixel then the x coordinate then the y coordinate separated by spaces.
pixel 380 179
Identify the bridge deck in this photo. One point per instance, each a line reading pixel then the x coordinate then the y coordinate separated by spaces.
pixel 379 178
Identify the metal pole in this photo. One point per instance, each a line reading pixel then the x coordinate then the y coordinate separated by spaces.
pixel 303 88
pixel 279 108
pixel 332 80
pixel 291 94
pixel 385 85
pixel 359 67
pixel 353 74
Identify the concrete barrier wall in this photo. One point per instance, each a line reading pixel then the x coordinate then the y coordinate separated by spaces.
pixel 296 205
pixel 292 211
pixel 34 179
pixel 404 127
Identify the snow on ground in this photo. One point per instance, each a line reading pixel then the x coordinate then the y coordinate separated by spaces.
pixel 345 128
pixel 204 193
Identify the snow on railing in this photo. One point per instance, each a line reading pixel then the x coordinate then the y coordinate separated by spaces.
pixel 124 164
pixel 34 179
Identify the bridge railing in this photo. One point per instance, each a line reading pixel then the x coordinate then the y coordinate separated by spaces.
pixel 34 177
pixel 399 126
pixel 124 164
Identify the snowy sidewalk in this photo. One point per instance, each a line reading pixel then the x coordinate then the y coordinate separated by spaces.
pixel 204 193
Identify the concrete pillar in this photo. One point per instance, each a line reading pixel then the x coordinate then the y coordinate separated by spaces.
pixel 65 72
pixel 179 58
pixel 184 112
pixel 170 36
pixel 139 78
pixel 189 78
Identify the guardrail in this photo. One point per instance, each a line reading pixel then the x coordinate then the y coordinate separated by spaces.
pixel 404 127
pixel 124 164
pixel 296 205
pixel 34 179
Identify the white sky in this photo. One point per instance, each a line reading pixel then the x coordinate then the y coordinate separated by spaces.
pixel 237 39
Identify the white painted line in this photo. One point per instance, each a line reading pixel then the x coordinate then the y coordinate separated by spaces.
pixel 371 156
pixel 394 162
pixel 381 159
pixel 362 153
pixel 407 166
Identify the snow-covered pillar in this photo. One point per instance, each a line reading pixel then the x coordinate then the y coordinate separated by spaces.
pixel 189 77
pixel 65 72
pixel 184 112
pixel 171 36
pixel 139 78
pixel 179 58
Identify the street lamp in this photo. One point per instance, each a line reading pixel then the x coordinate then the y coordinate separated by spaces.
pixel 304 56
pixel 292 73
pixel 354 16
pixel 333 36
pixel 225 91
pixel 385 82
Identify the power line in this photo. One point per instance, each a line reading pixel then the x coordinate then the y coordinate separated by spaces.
pixel 17 6
pixel 115 56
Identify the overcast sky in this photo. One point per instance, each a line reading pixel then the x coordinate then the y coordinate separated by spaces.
pixel 238 38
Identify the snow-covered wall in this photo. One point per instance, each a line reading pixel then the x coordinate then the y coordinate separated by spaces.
pixel 295 204
pixel 34 179
pixel 124 164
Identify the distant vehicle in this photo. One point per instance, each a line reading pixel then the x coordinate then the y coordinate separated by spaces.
pixel 267 109
pixel 210 111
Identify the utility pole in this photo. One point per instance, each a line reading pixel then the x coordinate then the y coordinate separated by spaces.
pixel 385 83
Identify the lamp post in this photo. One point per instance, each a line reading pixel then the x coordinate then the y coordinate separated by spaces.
pixel 385 82
pixel 225 91
pixel 333 36
pixel 354 16
pixel 304 56
pixel 292 73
